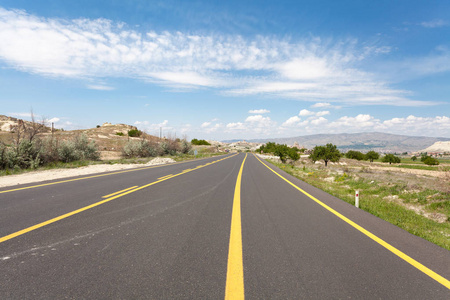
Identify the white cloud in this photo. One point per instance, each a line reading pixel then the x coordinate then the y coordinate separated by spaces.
pixel 321 105
pixel 322 113
pixel 314 69
pixel 305 112
pixel 259 111
pixel 435 24
pixel 100 87
pixel 257 118
pixel 53 120
pixel 236 126
pixel 360 121
pixel 319 121
pixel 153 128
pixel 214 128
pixel 205 124
pixel 309 68
pixel 292 121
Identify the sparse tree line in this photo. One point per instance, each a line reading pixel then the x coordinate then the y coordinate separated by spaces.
pixel 330 153
pixel 284 152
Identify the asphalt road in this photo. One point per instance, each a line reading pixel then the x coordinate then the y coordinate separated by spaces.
pixel 220 227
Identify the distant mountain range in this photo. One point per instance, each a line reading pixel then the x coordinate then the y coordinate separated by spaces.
pixel 381 142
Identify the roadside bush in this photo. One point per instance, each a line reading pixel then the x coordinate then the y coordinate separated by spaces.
pixel 49 150
pixel 185 147
pixel 79 148
pixel 169 147
pixel 141 148
pixel 120 133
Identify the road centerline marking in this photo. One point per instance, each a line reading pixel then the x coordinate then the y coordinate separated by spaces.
pixel 118 192
pixel 235 270
pixel 445 282
pixel 64 216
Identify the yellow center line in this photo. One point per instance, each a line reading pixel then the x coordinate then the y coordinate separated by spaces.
pixel 375 238
pixel 112 194
pixel 235 271
pixel 101 175
pixel 64 216
pixel 165 176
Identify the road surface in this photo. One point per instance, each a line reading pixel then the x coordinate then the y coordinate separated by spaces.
pixel 228 227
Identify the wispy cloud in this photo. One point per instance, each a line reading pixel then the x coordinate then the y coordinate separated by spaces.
pixel 259 111
pixel 314 69
pixel 100 87
pixel 435 23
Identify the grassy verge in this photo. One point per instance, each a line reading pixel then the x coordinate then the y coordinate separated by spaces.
pixel 385 200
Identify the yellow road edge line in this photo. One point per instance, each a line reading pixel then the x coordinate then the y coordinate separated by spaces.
pixel 375 238
pixel 124 190
pixel 235 270
pixel 101 175
pixel 64 216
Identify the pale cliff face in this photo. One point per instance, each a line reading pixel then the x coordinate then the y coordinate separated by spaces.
pixel 438 147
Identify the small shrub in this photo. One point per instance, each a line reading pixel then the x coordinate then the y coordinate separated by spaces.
pixel 200 142
pixel 134 133
pixel 79 148
pixel 142 148
pixel 120 133
pixel 185 147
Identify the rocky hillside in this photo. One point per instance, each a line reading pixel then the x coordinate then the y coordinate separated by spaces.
pixel 439 147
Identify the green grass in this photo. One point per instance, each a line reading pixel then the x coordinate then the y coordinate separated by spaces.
pixel 418 167
pixel 374 197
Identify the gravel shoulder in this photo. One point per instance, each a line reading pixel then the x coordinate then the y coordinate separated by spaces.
pixel 39 176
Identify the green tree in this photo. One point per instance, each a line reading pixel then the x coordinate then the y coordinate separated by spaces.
pixel 431 161
pixel 372 155
pixel 327 153
pixel 414 158
pixel 354 155
pixel 391 158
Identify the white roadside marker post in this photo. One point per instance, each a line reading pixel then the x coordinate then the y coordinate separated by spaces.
pixel 357 199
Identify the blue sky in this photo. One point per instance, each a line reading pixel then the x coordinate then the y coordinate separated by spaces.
pixel 229 69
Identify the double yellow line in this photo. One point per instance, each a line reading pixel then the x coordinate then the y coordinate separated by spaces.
pixel 109 197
